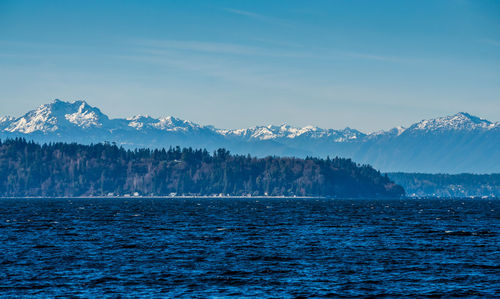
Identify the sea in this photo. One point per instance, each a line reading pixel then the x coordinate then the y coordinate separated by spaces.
pixel 237 247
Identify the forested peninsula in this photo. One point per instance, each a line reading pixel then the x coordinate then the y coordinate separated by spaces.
pixel 70 170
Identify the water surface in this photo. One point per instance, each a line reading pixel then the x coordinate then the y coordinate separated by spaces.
pixel 249 247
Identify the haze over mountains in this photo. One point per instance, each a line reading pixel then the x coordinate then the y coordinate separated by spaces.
pixel 450 144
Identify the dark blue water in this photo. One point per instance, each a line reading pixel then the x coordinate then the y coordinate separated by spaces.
pixel 248 247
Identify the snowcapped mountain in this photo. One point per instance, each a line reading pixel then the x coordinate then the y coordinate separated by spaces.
pixel 55 116
pixel 62 117
pixel 456 143
pixel 285 131
pixel 169 123
pixel 459 121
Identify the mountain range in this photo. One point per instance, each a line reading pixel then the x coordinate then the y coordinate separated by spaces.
pixel 451 144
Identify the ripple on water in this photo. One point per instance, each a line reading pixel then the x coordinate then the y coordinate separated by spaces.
pixel 243 247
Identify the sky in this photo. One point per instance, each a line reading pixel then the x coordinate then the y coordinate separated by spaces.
pixel 368 65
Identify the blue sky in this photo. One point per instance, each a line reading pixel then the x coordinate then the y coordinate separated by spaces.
pixel 369 65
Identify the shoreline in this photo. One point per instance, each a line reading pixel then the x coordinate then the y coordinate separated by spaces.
pixel 166 197
pixel 241 197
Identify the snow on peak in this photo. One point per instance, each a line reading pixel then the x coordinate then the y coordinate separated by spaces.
pixel 85 117
pixel 169 123
pixel 392 132
pixel 400 130
pixel 140 121
pixel 267 132
pixel 270 132
pixel 56 115
pixel 68 116
pixel 139 117
pixel 6 119
pixel 40 119
pixel 459 121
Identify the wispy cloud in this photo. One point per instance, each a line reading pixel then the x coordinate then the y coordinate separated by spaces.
pixel 277 50
pixel 211 60
pixel 260 48
pixel 220 68
pixel 220 48
pixel 201 46
pixel 260 17
pixel 375 57
pixel 279 43
pixel 246 13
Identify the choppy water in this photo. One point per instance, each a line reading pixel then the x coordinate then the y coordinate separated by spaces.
pixel 248 247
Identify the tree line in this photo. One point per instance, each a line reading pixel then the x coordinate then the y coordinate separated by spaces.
pixel 448 185
pixel 70 169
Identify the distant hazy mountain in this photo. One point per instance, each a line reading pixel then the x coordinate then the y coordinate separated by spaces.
pixel 451 144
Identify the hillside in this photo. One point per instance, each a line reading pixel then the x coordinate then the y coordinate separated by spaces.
pixel 60 169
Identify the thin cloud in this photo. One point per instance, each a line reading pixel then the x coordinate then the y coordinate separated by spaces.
pixel 278 78
pixel 200 46
pixel 220 68
pixel 219 48
pixel 286 44
pixel 259 17
pixel 377 57
pixel 245 13
pixel 277 50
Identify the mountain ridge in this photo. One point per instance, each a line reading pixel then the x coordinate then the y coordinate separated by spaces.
pixel 442 144
pixel 460 120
